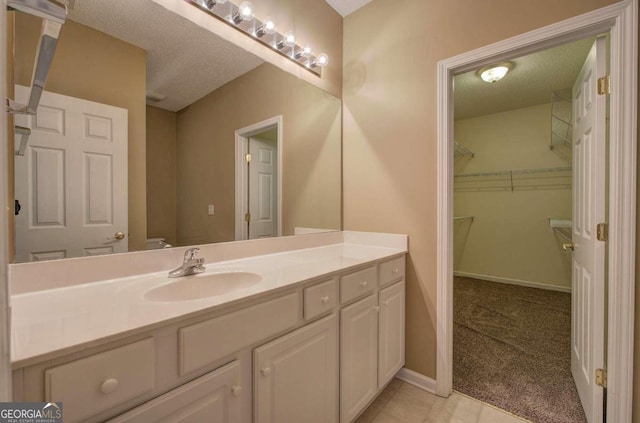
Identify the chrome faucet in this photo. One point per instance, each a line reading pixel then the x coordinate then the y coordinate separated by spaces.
pixel 191 264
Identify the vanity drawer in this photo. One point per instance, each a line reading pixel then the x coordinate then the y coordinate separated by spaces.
pixel 357 284
pixel 206 342
pixel 391 271
pixel 96 383
pixel 319 299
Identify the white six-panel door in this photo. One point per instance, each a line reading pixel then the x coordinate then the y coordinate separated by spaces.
pixel 72 180
pixel 588 293
pixel 263 185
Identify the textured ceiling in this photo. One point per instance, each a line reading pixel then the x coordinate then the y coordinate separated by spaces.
pixel 530 82
pixel 184 61
pixel 346 7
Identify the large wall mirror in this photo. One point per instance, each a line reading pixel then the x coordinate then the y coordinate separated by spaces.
pixel 153 130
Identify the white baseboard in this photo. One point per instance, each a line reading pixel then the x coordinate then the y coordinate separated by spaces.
pixel 514 281
pixel 418 380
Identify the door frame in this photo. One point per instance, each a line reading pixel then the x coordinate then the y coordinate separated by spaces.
pixel 621 21
pixel 242 175
pixel 6 147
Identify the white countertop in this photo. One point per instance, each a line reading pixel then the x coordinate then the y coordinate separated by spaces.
pixel 56 320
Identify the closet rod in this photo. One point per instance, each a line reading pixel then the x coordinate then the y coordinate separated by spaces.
pixel 516 172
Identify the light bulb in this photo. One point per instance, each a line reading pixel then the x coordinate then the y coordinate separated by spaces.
pixel 245 13
pixel 322 60
pixel 267 27
pixel 210 4
pixel 304 52
pixel 289 39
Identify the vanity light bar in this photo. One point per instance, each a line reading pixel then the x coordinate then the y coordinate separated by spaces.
pixel 242 18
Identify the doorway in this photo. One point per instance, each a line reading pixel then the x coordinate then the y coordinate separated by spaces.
pixel 621 20
pixel 513 188
pixel 259 180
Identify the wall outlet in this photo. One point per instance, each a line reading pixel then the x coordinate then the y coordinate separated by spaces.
pixel 210 210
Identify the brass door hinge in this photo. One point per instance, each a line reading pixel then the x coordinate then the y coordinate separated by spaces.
pixel 248 158
pixel 247 217
pixel 601 378
pixel 604 85
pixel 602 232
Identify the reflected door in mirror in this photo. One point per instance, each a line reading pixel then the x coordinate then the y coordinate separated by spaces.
pixel 72 180
pixel 263 185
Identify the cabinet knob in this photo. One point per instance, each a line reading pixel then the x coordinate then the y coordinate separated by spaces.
pixel 324 300
pixel 396 270
pixel 236 390
pixel 109 385
pixel 385 303
pixel 376 308
pixel 266 371
pixel 364 283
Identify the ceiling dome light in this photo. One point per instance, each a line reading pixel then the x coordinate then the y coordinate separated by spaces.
pixel 496 72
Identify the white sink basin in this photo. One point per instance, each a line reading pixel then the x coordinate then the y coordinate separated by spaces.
pixel 202 285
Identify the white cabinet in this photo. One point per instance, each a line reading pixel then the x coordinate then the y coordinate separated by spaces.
pixel 391 333
pixel 371 347
pixel 214 397
pixel 296 376
pixel 358 356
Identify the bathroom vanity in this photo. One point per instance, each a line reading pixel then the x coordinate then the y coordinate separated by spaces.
pixel 301 335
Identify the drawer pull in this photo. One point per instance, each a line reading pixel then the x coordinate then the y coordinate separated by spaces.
pixel 324 300
pixel 386 303
pixel 266 371
pixel 109 385
pixel 236 390
pixel 376 308
pixel 395 271
pixel 364 283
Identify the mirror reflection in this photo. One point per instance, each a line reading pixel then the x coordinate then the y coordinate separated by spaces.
pixel 154 132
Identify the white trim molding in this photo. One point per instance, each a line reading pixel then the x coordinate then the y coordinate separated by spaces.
pixel 416 379
pixel 621 21
pixel 241 149
pixel 510 281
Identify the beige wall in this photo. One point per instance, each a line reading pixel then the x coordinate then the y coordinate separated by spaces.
pixel 162 207
pixel 91 65
pixel 391 51
pixel 510 235
pixel 311 154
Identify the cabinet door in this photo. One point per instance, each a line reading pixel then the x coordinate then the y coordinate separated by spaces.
pixel 214 397
pixel 358 356
pixel 391 333
pixel 296 376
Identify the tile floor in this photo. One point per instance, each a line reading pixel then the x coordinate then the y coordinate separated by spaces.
pixel 404 403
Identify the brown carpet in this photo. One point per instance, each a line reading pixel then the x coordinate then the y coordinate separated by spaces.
pixel 512 349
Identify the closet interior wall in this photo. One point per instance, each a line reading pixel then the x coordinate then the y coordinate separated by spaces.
pixel 517 184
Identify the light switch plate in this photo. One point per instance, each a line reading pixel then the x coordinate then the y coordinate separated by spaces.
pixel 210 210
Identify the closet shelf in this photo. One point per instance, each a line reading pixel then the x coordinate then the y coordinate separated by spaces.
pixel 562 227
pixel 461 151
pixel 561 141
pixel 461 218
pixel 522 179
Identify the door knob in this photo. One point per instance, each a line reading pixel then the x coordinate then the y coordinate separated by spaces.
pixel 568 246
pixel 118 235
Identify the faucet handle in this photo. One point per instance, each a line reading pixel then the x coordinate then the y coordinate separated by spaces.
pixel 191 253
